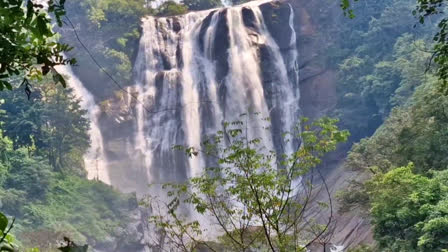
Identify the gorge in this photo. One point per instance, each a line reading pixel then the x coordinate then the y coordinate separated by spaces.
pixel 223 125
pixel 195 71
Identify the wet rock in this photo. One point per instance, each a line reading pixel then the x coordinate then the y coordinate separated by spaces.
pixel 318 95
pixel 221 45
pixel 179 60
pixel 276 17
pixel 248 17
pixel 176 25
pixel 166 62
pixel 128 238
pixel 204 26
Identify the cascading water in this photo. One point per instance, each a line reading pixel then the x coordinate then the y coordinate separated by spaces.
pixel 95 160
pixel 197 70
pixel 192 73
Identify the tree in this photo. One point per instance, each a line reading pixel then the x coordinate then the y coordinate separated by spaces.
pixel 52 124
pixel 403 201
pixel 171 8
pixel 202 4
pixel 110 29
pixel 30 175
pixel 414 133
pixel 410 211
pixel 256 197
pixel 28 45
pixel 381 59
pixel 425 9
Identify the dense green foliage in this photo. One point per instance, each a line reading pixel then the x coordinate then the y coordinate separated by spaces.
pixel 52 124
pixel 410 211
pixel 435 9
pixel 380 66
pixel 415 133
pixel 202 4
pixel 408 204
pixel 6 239
pixel 42 176
pixel 248 184
pixel 28 45
pixel 8 242
pixel 171 8
pixel 424 11
pixel 386 77
pixel 110 31
pixel 362 248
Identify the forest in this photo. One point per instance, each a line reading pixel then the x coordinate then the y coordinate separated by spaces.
pixel 388 128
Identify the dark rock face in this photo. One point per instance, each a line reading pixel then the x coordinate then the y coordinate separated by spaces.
pixel 176 25
pixel 276 15
pixel 179 60
pixel 248 18
pixel 128 238
pixel 204 26
pixel 221 45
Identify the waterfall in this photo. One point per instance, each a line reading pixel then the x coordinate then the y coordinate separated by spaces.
pixel 197 70
pixel 157 3
pixel 95 160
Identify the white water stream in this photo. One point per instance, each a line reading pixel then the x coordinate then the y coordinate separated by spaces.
pixel 95 160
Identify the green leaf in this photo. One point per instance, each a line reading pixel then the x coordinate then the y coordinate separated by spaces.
pixel 3 222
pixel 58 78
pixel 42 26
pixel 8 85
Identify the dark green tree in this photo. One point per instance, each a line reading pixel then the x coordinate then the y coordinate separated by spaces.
pixel 30 175
pixel 424 10
pixel 52 124
pixel 202 4
pixel 171 8
pixel 410 211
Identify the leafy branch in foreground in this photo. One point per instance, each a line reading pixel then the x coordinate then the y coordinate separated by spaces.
pixel 28 45
pixel 255 197
pixel 6 239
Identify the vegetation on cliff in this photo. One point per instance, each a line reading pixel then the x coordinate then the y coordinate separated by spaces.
pixel 410 198
pixel 387 76
pixel 428 11
pixel 42 176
